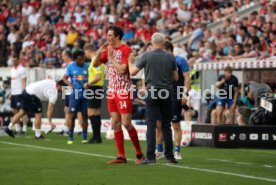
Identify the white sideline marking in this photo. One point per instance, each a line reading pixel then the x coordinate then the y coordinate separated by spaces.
pixel 240 163
pixel 168 165
pixel 222 172
pixel 57 150
pixel 230 161
pixel 268 166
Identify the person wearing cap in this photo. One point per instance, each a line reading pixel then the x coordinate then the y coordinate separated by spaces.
pixel 32 96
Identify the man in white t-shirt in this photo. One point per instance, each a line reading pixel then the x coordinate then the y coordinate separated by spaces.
pixel 44 90
pixel 26 9
pixel 33 18
pixel 18 84
pixel 193 104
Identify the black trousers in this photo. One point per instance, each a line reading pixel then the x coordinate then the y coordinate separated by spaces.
pixel 159 108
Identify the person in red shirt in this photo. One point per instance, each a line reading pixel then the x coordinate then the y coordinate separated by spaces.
pixel 115 54
pixel 61 23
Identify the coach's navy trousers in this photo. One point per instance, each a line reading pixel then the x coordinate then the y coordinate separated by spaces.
pixel 159 107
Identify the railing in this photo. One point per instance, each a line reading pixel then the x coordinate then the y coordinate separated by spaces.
pixel 249 63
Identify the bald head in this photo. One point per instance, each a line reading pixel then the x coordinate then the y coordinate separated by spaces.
pixel 66 56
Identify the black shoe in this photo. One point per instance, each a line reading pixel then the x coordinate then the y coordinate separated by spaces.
pixel 94 141
pixel 148 161
pixel 60 133
pixel 9 132
pixel 172 161
pixel 41 137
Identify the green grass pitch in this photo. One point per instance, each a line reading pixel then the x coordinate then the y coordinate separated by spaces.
pixel 24 160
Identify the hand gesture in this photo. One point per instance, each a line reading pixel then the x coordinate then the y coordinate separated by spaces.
pixel 103 49
pixel 85 85
pixel 110 53
pixel 184 100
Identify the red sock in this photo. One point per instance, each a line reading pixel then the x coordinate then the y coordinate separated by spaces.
pixel 119 138
pixel 134 138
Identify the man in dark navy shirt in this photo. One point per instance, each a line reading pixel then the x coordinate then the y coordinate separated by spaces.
pixel 177 102
pixel 227 94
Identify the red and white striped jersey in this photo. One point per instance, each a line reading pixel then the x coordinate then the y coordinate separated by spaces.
pixel 118 82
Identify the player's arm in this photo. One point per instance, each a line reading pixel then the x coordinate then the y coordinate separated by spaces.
pixel 186 86
pixel 67 75
pixel 187 81
pixel 220 82
pixel 50 111
pixel 97 78
pixel 51 105
pixel 97 60
pixel 66 81
pixel 133 69
pixel 24 80
pixel 175 76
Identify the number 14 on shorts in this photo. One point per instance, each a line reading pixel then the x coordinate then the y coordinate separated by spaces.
pixel 123 104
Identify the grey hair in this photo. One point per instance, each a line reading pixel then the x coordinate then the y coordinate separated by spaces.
pixel 158 38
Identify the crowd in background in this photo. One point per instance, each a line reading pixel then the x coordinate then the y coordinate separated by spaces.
pixel 39 31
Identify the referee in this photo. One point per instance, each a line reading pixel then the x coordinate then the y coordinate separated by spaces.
pixel 95 84
pixel 160 71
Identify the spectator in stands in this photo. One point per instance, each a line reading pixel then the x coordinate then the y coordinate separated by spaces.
pixel 12 35
pixel 51 22
pixel 26 9
pixel 33 18
pixel 50 61
pixel 238 49
pixel 71 37
pixel 248 52
pixel 197 35
pixel 3 50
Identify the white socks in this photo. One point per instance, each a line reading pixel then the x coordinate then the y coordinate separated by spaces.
pixel 17 128
pixel 24 129
pixel 10 126
pixel 37 132
pixel 65 128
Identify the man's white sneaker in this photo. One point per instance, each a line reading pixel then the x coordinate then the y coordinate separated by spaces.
pixel 177 156
pixel 159 155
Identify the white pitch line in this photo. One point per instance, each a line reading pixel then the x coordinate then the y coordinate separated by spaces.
pixel 231 161
pixel 222 172
pixel 168 165
pixel 57 150
pixel 268 166
pixel 240 163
